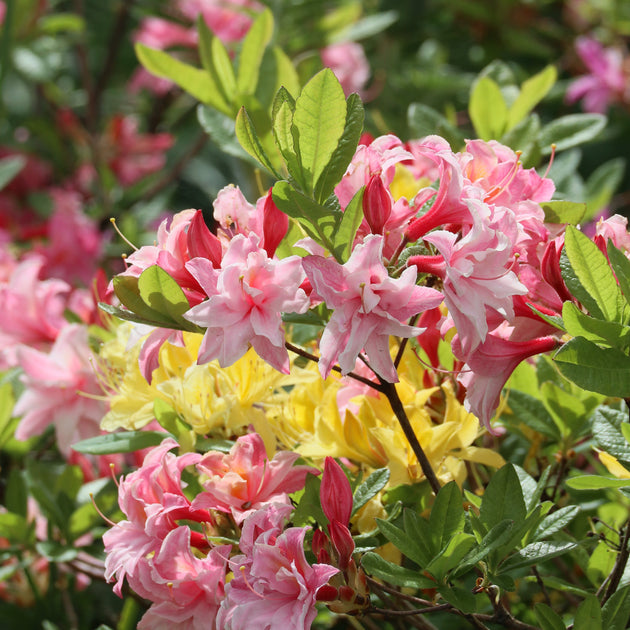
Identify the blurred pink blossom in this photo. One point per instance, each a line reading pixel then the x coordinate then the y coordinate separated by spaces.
pixel 605 83
pixel 350 65
pixel 229 20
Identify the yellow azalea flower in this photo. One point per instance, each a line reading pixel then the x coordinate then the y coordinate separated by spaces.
pixel 405 184
pixel 613 465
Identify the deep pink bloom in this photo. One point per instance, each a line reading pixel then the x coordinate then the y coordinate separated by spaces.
pixel 489 367
pixel 377 204
pixel 350 65
pixel 246 479
pixel 369 306
pixel 605 82
pixel 61 388
pixel 274 585
pixel 247 297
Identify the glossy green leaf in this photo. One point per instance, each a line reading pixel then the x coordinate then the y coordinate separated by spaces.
pixel 249 140
pixel 370 488
pixel 602 184
pixel 503 498
pixel 343 237
pixel 162 294
pixel 588 615
pixel 410 546
pixel 608 429
pixel 9 168
pixel 252 51
pixel 451 556
pixel 570 131
pixel 123 442
pixel 567 411
pixel 221 130
pixel 417 528
pixel 344 151
pixel 569 212
pixel 532 91
pixel 596 482
pixel 198 83
pixel 532 412
pixel 602 370
pixel 487 109
pixel 496 537
pixel 536 552
pixel 599 331
pixel 318 124
pixel 276 72
pixel 621 266
pixel 282 125
pixel 127 291
pixel 447 514
pixel 555 521
pixel 589 277
pixel 7 403
pixel 616 611
pixel 55 551
pixel 393 573
pixel 522 137
pixel 547 618
pixel 216 61
pixel 317 221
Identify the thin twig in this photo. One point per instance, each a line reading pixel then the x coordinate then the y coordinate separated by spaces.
pixel 620 565
pixel 541 585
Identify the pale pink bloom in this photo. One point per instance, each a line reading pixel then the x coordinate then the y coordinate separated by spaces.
pixel 247 297
pixel 270 520
pixel 233 212
pixel 75 244
pixel 229 20
pixel 8 261
pixel 186 591
pixel 156 32
pixel 274 585
pixel 490 365
pixel 350 65
pixel 61 388
pixel 369 306
pixel 605 82
pixel 245 479
pixel 477 276
pixel 3 10
pixel 149 356
pixel 379 157
pixel 31 310
pixel 615 229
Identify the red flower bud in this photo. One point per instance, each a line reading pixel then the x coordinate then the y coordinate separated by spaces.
pixel 342 542
pixel 275 225
pixel 335 493
pixel 377 204
pixel 201 242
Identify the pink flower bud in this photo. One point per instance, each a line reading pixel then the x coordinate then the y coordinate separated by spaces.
pixel 275 225
pixel 335 493
pixel 201 242
pixel 342 541
pixel 377 204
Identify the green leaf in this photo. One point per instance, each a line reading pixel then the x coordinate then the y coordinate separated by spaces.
pixel 317 221
pixel 588 615
pixel 198 83
pixel 567 411
pixel 598 331
pixel 370 488
pixel 589 277
pixel 217 63
pixel 343 237
pixel 123 442
pixel 555 521
pixel 602 185
pixel 447 514
pixel 309 506
pixel 220 128
pixel 168 418
pixel 14 527
pixel 536 552
pixel 55 551
pixel 616 610
pixel 415 549
pixel 247 136
pixel 344 151
pixel 569 212
pixel 570 131
pixel 533 90
pixel 318 124
pixel 129 316
pixel 424 121
pixel 276 72
pixel 503 498
pixel 254 44
pixel 127 291
pixel 282 124
pixel 547 618
pixel 162 294
pixel 451 556
pixel 493 539
pixel 602 370
pixel 7 403
pixel 487 109
pixel 608 425
pixel 462 599
pixel 9 168
pixel 522 137
pixel 621 266
pixel 394 574
pixel 596 482
pixel 532 412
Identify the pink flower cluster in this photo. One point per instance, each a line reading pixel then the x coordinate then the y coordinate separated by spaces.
pixel 165 548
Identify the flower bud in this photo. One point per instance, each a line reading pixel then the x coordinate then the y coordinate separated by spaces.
pixel 377 204
pixel 201 242
pixel 335 493
pixel 275 225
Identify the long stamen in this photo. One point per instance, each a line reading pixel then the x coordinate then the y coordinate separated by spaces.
pixel 249 586
pixel 553 155
pixel 107 520
pixel 124 238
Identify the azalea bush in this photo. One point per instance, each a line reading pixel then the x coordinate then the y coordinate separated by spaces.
pixel 309 321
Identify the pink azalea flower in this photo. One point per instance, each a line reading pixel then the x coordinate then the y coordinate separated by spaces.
pixel 350 65
pixel 605 82
pixel 245 479
pixel 490 365
pixel 274 585
pixel 186 591
pixel 247 297
pixel 60 389
pixel 369 307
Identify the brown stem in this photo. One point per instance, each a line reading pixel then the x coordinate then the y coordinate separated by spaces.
pixel 541 585
pixel 620 565
pixel 389 389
